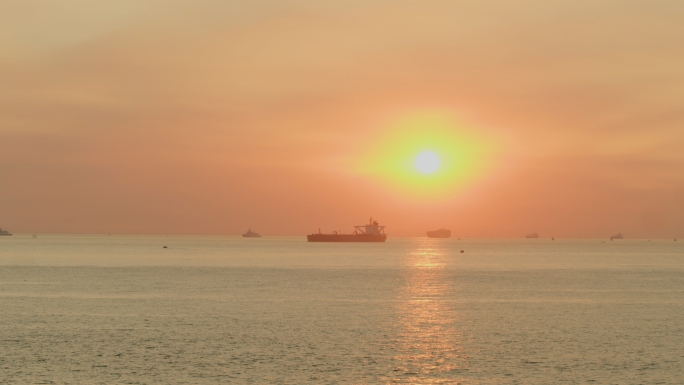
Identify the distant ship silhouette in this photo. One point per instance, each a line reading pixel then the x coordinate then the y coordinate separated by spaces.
pixel 441 233
pixel 4 232
pixel 372 232
pixel 616 236
pixel 532 235
pixel 251 234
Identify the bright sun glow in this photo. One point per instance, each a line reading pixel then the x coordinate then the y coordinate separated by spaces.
pixel 425 154
pixel 427 162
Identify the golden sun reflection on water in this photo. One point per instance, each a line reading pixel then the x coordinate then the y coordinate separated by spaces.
pixel 428 346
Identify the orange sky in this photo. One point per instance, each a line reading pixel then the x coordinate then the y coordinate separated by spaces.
pixel 208 117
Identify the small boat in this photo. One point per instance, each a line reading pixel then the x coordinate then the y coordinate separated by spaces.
pixel 251 234
pixel 532 235
pixel 4 232
pixel 616 236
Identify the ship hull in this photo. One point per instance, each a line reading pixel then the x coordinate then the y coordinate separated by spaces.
pixel 346 238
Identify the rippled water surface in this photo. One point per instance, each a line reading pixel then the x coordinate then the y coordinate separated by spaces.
pixel 210 310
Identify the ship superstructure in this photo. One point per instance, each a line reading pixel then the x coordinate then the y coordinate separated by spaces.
pixel 4 232
pixel 372 232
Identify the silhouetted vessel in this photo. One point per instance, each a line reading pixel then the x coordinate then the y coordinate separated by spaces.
pixel 251 234
pixel 4 232
pixel 372 232
pixel 532 235
pixel 441 233
pixel 616 236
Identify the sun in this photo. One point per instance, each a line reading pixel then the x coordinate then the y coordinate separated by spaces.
pixel 427 162
pixel 425 154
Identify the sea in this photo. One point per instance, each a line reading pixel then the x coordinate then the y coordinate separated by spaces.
pixel 99 309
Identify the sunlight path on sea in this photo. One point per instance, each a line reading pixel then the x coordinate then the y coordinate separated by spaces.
pixel 428 347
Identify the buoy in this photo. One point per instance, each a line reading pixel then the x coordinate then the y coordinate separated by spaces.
pixel 165 247
pixel 461 251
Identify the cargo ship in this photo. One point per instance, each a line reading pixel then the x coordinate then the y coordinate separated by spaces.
pixel 532 235
pixel 616 236
pixel 4 232
pixel 251 234
pixel 372 232
pixel 441 233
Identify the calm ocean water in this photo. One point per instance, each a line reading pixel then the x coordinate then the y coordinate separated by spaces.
pixel 220 310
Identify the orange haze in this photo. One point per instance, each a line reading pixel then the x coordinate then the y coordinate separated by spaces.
pixel 209 117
